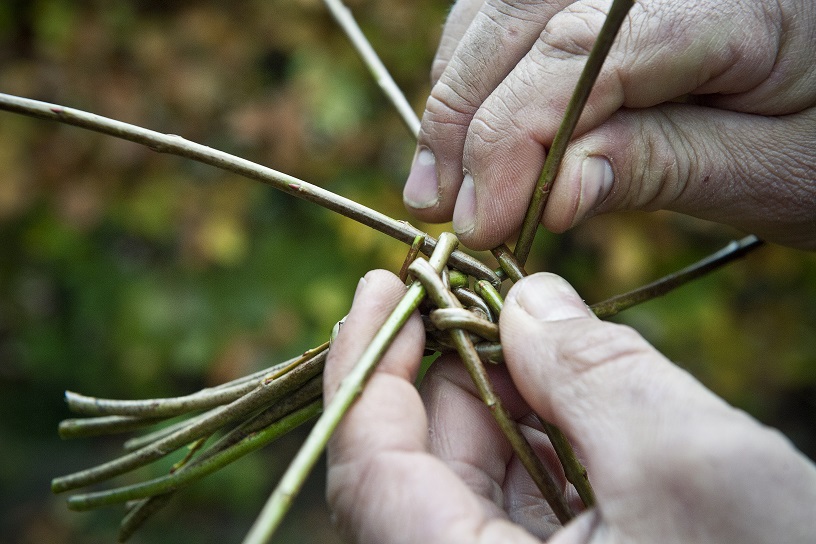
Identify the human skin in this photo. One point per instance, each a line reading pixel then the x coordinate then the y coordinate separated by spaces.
pixel 703 107
pixel 670 462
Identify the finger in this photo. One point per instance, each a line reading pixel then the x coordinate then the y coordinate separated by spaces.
pixel 377 294
pixel 459 19
pixel 718 51
pixel 497 37
pixel 464 435
pixel 753 172
pixel 382 485
pixel 613 395
pixel 665 455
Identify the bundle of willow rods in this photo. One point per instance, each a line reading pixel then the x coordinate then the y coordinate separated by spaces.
pixel 248 413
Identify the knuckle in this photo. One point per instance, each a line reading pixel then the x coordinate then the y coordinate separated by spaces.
pixel 447 106
pixel 572 31
pixel 496 123
pixel 660 172
pixel 605 349
pixel 605 345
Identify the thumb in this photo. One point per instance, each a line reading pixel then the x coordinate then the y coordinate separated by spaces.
pixel 613 395
pixel 753 172
pixel 669 461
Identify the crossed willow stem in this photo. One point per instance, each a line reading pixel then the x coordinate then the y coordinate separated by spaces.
pixel 267 404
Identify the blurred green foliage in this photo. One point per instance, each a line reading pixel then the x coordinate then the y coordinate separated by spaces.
pixel 130 274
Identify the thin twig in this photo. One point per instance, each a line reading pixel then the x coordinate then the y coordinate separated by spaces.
pixel 176 145
pixel 735 250
pixel 490 295
pixel 351 387
pixel 469 300
pixel 184 477
pixel 345 19
pixel 273 371
pixel 409 258
pixel 263 395
pixel 145 508
pixel 96 426
pixel 522 448
pixel 277 369
pixel 157 408
pixel 141 512
pixel 574 471
pixel 459 318
pixel 617 13
pixel 508 262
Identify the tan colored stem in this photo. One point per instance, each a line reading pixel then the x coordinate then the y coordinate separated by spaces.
pixel 522 448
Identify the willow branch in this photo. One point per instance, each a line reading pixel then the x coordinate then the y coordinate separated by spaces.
pixel 180 478
pixel 409 258
pixel 263 395
pixel 345 19
pixel 459 318
pixel 278 369
pixel 574 471
pixel 145 508
pixel 176 145
pixel 141 512
pixel 735 250
pixel 509 263
pixel 522 448
pixel 474 302
pixel 617 13
pixel 96 426
pixel 351 387
pixel 490 295
pixel 157 408
pixel 274 371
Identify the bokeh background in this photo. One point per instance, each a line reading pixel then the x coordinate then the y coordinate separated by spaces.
pixel 125 273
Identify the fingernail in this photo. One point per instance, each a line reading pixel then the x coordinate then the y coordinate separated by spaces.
pixel 596 182
pixel 360 285
pixel 464 213
pixel 548 297
pixel 422 187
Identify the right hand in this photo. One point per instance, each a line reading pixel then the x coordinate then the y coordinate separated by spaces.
pixel 669 461
pixel 741 152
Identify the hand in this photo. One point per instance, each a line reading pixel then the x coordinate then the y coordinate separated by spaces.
pixel 738 148
pixel 669 461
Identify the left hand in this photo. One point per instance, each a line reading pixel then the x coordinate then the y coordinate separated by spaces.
pixel 389 479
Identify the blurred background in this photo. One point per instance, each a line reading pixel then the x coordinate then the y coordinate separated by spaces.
pixel 129 274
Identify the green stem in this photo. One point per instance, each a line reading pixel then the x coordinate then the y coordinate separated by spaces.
pixel 617 13
pixel 658 288
pixel 176 145
pixel 574 471
pixel 409 258
pixel 508 262
pixel 96 426
pixel 310 392
pixel 263 395
pixel 490 295
pixel 522 448
pixel 458 318
pixel 351 387
pixel 157 408
pixel 346 21
pixel 174 481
